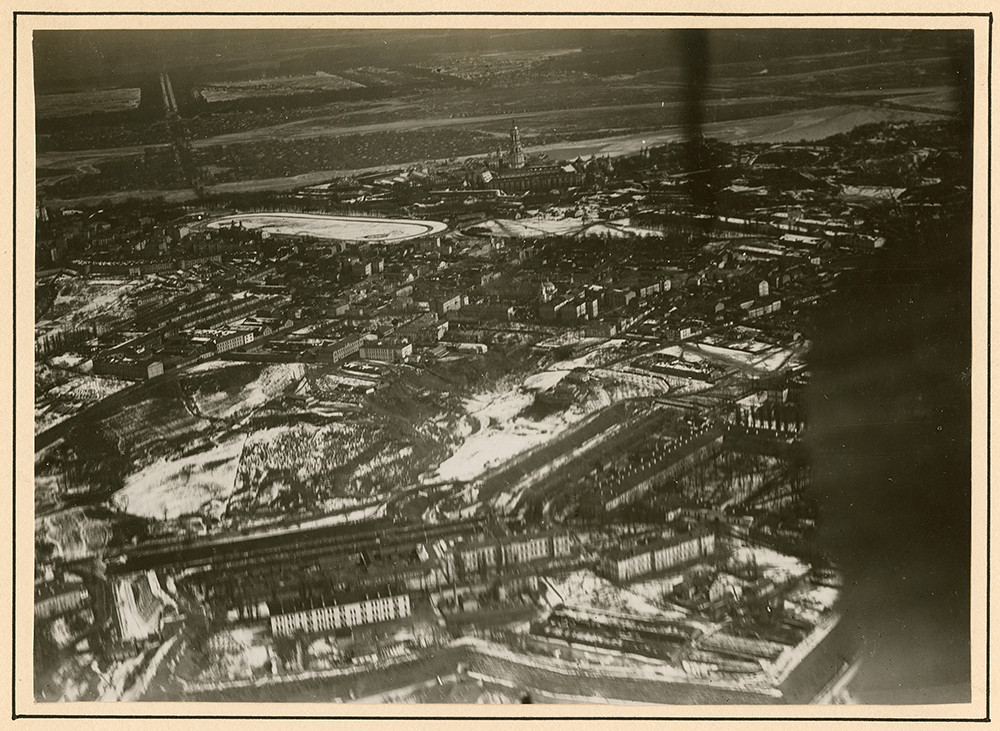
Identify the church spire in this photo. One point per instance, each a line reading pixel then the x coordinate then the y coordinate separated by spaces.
pixel 516 153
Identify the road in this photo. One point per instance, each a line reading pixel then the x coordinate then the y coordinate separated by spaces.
pixel 182 147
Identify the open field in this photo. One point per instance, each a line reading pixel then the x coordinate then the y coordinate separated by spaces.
pixel 802 124
pixel 171 487
pixel 333 228
pixel 227 91
pixel 85 102
pixel 327 108
pixel 82 301
pixel 317 155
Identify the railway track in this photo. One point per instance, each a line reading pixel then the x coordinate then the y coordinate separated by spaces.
pixel 299 545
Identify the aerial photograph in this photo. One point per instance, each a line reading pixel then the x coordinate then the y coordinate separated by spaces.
pixel 503 366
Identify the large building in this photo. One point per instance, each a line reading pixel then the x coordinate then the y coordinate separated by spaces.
pixel 124 366
pixel 511 551
pixel 388 352
pixel 338 351
pixel 347 611
pixel 537 179
pixel 58 597
pixel 629 562
pixel 511 173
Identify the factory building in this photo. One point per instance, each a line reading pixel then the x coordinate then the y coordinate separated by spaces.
pixel 123 366
pixel 514 550
pixel 630 562
pixel 388 352
pixel 348 611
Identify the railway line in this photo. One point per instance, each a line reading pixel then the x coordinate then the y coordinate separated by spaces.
pixel 299 545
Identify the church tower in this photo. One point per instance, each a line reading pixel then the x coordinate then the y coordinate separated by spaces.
pixel 516 153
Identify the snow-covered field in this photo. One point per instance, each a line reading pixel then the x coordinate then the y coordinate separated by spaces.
pixel 72 362
pixel 604 352
pixel 272 381
pixel 208 366
pixel 585 589
pixel 776 566
pixel 71 103
pixel 334 228
pixel 813 602
pixel 766 360
pixel 618 229
pixel 238 652
pixel 275 86
pixel 73 533
pixel 567 337
pixel 527 228
pixel 169 488
pixel 63 400
pixel 504 434
pixel 87 389
pixel 81 301
pixel 545 380
pixel 568 225
pixel 501 434
pixel 654 590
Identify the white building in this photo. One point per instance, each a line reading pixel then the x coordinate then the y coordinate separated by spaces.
pixel 350 611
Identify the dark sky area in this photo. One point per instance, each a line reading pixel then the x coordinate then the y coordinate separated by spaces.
pixel 81 58
pixel 891 413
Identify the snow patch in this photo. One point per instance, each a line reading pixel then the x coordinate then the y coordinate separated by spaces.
pixel 170 488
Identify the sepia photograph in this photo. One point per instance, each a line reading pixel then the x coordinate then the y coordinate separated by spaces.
pixel 577 364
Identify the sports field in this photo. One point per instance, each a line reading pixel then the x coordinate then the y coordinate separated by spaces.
pixel 333 228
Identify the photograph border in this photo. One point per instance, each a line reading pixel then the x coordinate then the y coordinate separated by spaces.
pixel 643 714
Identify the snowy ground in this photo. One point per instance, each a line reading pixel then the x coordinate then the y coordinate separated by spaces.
pixel 63 400
pixel 567 337
pixel 545 380
pixel 501 434
pixel 683 352
pixel 585 589
pixel 208 366
pixel 527 228
pixel 72 362
pixel 238 652
pixel 605 351
pixel 87 389
pixel 654 590
pixel 325 383
pixel 767 361
pixel 334 228
pixel 272 382
pixel 169 488
pixel 81 301
pixel 811 603
pixel 776 566
pixel 504 434
pixel 618 229
pixel 73 533
pixel 568 225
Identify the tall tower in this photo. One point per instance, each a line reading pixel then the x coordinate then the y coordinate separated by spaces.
pixel 516 153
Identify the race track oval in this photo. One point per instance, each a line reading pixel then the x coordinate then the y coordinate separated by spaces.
pixel 332 228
